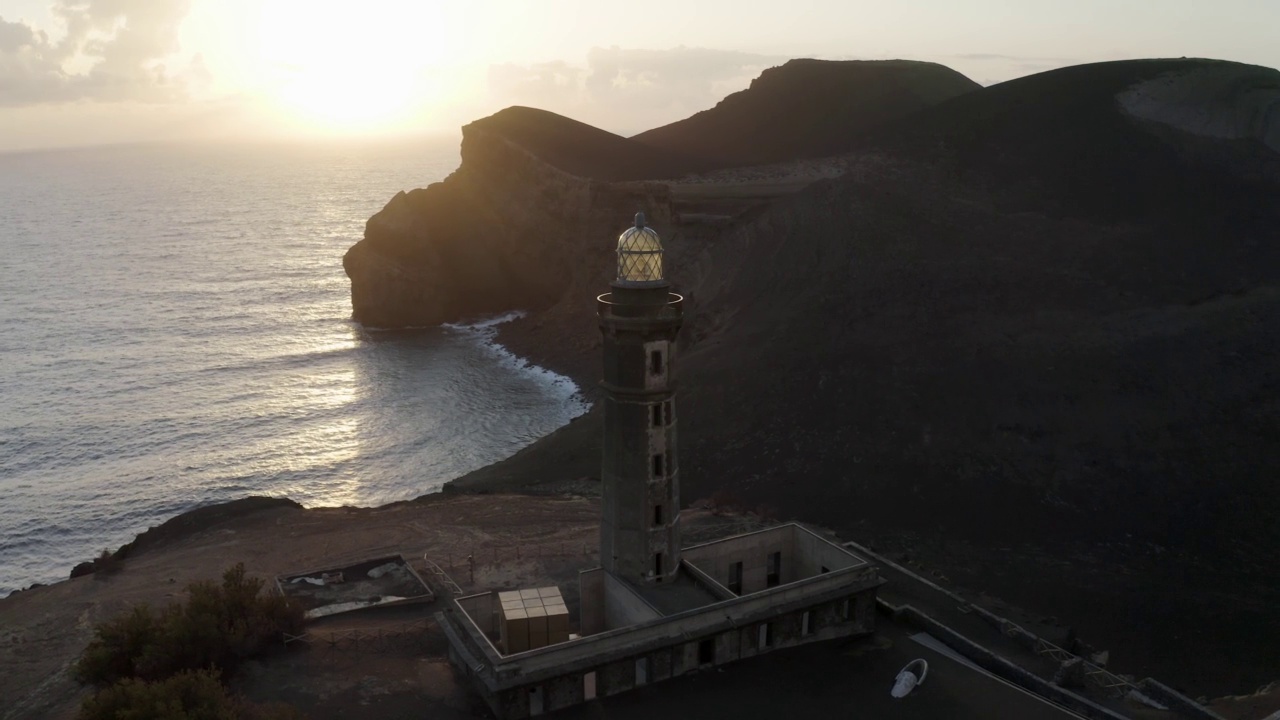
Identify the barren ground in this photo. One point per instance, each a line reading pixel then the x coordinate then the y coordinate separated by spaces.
pixel 387 662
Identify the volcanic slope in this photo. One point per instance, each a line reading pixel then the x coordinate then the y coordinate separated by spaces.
pixel 1108 140
pixel 808 109
pixel 988 346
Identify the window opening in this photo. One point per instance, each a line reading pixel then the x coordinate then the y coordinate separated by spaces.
pixel 775 570
pixel 844 609
pixel 657 416
pixel 655 362
pixel 766 635
pixel 657 515
pixel 657 466
pixel 668 413
pixel 735 578
pixel 657 564
pixel 642 671
pixel 806 623
pixel 706 651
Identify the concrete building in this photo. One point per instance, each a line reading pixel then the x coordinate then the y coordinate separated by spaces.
pixel 654 609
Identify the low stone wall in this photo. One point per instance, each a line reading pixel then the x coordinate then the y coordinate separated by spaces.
pixel 1001 667
pixel 1166 695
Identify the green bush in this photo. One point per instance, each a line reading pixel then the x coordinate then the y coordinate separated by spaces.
pixel 218 627
pixel 189 695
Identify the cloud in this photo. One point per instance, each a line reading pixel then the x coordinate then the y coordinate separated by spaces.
pixel 553 83
pixel 1022 59
pixel 630 89
pixel 683 76
pixel 111 50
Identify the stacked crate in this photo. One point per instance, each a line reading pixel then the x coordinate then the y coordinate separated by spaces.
pixel 532 618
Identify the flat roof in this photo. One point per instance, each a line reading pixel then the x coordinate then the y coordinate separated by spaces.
pixel 367 583
pixel 835 678
pixel 681 594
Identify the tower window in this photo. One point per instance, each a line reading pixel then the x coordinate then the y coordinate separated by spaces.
pixel 658 469
pixel 655 362
pixel 657 515
pixel 657 415
pixel 657 564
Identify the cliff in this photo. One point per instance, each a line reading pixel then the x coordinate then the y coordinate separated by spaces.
pixel 509 229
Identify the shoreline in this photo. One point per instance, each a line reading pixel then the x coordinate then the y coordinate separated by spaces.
pixel 485 331
pixel 1009 577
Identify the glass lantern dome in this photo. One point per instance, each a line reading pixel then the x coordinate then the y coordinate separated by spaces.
pixel 639 255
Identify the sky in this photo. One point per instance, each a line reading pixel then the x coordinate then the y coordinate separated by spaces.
pixel 85 72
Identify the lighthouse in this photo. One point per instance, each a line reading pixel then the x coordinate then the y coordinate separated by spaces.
pixel 639 319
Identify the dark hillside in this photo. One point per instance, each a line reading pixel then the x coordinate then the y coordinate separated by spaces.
pixel 1060 333
pixel 807 109
pixel 1074 140
pixel 583 150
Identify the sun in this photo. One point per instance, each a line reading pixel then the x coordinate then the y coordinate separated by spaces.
pixel 350 67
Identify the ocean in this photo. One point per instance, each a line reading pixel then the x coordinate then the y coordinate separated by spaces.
pixel 175 331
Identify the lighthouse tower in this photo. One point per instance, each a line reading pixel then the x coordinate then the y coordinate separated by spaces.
pixel 640 523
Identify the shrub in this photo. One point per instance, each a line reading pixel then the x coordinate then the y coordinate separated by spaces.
pixel 118 646
pixel 218 627
pixel 106 564
pixel 189 695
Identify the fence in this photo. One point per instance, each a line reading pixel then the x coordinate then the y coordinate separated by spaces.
pixel 391 639
pixel 520 551
pixel 495 554
pixel 442 577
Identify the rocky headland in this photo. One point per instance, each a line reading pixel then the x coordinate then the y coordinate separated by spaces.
pixel 481 241
pixel 1037 320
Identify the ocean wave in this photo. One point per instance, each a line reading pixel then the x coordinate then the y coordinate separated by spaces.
pixel 485 331
pixel 152 371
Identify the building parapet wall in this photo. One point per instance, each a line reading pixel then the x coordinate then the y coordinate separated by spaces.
pixel 710 583
pixel 804 554
pixel 503 672
pixel 623 606
pixel 1160 692
pixel 1000 666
